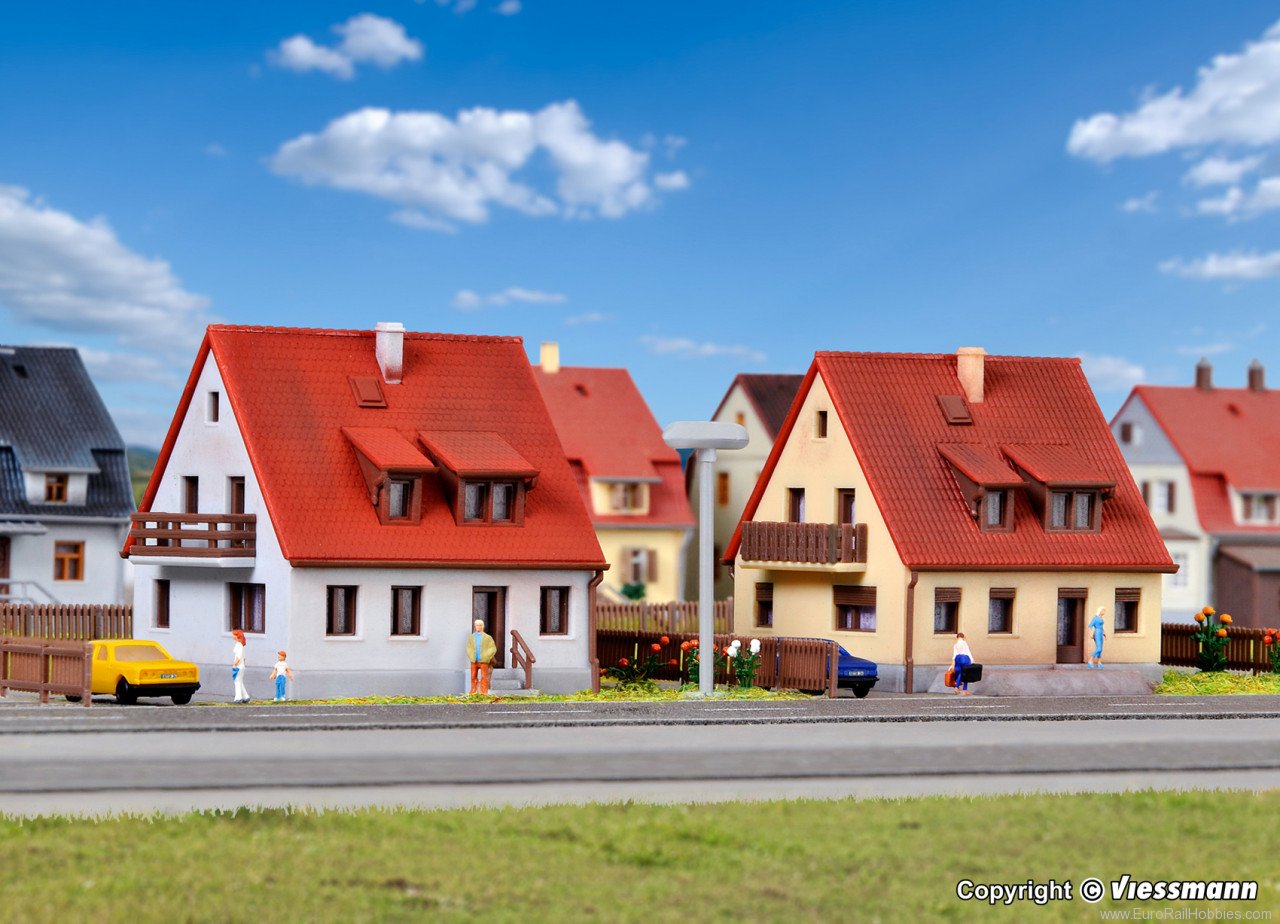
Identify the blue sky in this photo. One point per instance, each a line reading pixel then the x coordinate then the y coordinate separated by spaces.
pixel 687 190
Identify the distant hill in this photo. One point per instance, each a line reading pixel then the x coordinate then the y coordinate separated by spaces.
pixel 141 463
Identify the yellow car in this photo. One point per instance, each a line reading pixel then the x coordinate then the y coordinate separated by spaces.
pixel 130 669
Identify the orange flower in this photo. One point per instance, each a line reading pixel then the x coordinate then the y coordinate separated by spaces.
pixel 665 640
pixel 1225 619
pixel 685 646
pixel 656 647
pixel 672 662
pixel 1208 611
pixel 1222 633
pixel 1199 617
pixel 1268 639
pixel 623 662
pixel 603 671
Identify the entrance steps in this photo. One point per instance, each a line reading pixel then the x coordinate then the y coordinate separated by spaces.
pixel 507 682
pixel 1057 680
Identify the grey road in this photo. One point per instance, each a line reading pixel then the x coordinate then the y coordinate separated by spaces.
pixel 96 771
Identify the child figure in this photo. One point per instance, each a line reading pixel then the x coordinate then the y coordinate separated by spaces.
pixel 279 673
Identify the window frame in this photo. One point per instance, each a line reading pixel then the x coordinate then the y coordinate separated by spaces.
pixel 1005 524
pixel 858 602
pixel 795 505
pixel 544 610
pixel 162 597
pixel 946 600
pixel 349 594
pixel 415 611
pixel 212 407
pixel 763 614
pixel 68 561
pixel 1009 596
pixel 240 596
pixel 486 487
pixel 820 428
pixel 1070 512
pixel 1125 598
pixel 722 489
pixel 57 487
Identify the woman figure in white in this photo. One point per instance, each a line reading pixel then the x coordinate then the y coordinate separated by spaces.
pixel 237 667
pixel 963 656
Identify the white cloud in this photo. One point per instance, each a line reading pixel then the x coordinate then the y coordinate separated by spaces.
pixel 690 349
pixel 128 368
pixel 459 169
pixel 1206 349
pixel 366 39
pixel 1235 101
pixel 677 179
pixel 75 276
pixel 469 300
pixel 459 6
pixel 590 317
pixel 412 218
pixel 508 7
pixel 1145 203
pixel 1221 171
pixel 1235 265
pixel 1236 203
pixel 1111 373
pixel 216 150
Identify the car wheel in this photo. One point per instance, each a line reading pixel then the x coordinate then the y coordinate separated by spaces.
pixel 125 694
pixel 181 699
pixel 861 692
pixel 72 699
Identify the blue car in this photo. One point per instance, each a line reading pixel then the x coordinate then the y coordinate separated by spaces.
pixel 858 674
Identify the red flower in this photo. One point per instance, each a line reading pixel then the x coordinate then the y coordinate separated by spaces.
pixel 665 640
pixel 685 646
pixel 656 647
pixel 672 662
pixel 603 671
pixel 1268 639
pixel 623 662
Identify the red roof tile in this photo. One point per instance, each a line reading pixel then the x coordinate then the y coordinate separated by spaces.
pixel 1226 436
pixel 888 405
pixel 387 449
pixel 290 394
pixel 608 430
pixel 1058 463
pixel 770 395
pixel 982 465
pixel 476 452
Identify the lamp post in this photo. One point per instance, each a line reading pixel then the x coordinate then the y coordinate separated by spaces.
pixel 705 436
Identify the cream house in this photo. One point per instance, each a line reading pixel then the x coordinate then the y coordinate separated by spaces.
pixel 909 497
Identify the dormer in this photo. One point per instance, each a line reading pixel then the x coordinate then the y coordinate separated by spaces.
pixel 393 470
pixel 621 496
pixel 484 478
pixel 1066 491
pixel 987 483
pixel 1254 508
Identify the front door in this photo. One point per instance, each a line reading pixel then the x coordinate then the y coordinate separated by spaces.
pixel 1070 627
pixel 4 567
pixel 489 605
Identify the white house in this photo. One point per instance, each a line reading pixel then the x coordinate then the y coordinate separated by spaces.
pixel 360 496
pixel 65 495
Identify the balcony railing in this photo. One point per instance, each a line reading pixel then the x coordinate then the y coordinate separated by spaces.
pixel 805 543
pixel 194 535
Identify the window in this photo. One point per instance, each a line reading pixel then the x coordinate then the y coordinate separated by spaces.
pixel 341 616
pixel 722 488
pixel 235 494
pixel 1179 578
pixel 764 605
pixel 162 604
pixel 820 425
pixel 855 607
pixel 504 495
pixel 1128 433
pixel 740 419
pixel 795 505
pixel 554 619
pixel 1000 610
pixel 997 510
pixel 399 498
pixel 211 408
pixel 68 561
pixel 946 610
pixel 190 494
pixel 247 607
pixel 1164 496
pixel 491 502
pixel 845 505
pixel 641 565
pixel 1127 608
pixel 627 496
pixel 1073 510
pixel 55 489
pixel 1259 508
pixel 406 610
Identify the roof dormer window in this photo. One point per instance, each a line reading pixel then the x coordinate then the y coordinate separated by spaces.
pixel 997 510
pixel 1259 508
pixel 1073 511
pixel 492 502
pixel 399 498
pixel 55 489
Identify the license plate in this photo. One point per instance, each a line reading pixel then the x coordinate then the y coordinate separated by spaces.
pixel 168 676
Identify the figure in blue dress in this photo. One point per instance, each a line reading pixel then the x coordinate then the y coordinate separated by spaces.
pixel 1097 624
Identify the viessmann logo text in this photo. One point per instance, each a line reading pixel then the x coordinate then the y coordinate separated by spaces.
pixel 1092 890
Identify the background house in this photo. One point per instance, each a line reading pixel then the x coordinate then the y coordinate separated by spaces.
pixel 65 497
pixel 356 498
pixel 1208 462
pixel 909 497
pixel 629 478
pixel 758 402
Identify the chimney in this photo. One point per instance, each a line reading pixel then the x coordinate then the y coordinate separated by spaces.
pixel 969 363
pixel 549 358
pixel 389 348
pixel 1257 377
pixel 1204 374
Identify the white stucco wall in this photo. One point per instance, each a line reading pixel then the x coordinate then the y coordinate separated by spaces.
pixel 31 559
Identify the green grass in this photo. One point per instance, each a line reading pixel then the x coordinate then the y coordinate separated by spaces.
pixel 775 861
pixel 1217 683
pixel 606 695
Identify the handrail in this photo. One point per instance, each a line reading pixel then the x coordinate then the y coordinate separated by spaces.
pixel 522 656
pixel 9 596
pixel 192 535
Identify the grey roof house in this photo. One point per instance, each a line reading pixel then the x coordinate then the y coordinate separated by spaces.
pixel 65 495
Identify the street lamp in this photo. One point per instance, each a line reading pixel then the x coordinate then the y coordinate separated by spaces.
pixel 706 437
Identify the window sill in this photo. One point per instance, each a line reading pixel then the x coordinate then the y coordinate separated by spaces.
pixel 406 638
pixel 344 638
pixel 1003 635
pixel 856 631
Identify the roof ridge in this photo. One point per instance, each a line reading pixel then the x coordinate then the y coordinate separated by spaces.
pixel 348 332
pixel 870 354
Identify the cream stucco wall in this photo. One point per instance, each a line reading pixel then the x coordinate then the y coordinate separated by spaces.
pixel 668 545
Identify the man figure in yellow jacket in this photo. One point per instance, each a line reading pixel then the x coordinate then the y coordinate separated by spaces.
pixel 481 650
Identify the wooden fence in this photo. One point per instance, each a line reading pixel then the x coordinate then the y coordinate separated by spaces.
pixel 1245 651
pixel 45 666
pixel 785 663
pixel 77 622
pixel 677 616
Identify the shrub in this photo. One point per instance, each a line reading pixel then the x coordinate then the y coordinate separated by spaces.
pixel 1211 634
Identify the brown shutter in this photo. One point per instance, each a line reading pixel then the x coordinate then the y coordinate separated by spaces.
pixel 853 595
pixel 764 591
pixel 1072 593
pixel 1002 593
pixel 1146 494
pixel 1172 494
pixel 1128 594
pixel 651 561
pixel 627 555
pixel 946 595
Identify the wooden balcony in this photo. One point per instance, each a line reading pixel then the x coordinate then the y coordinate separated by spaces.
pixel 217 540
pixel 805 546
